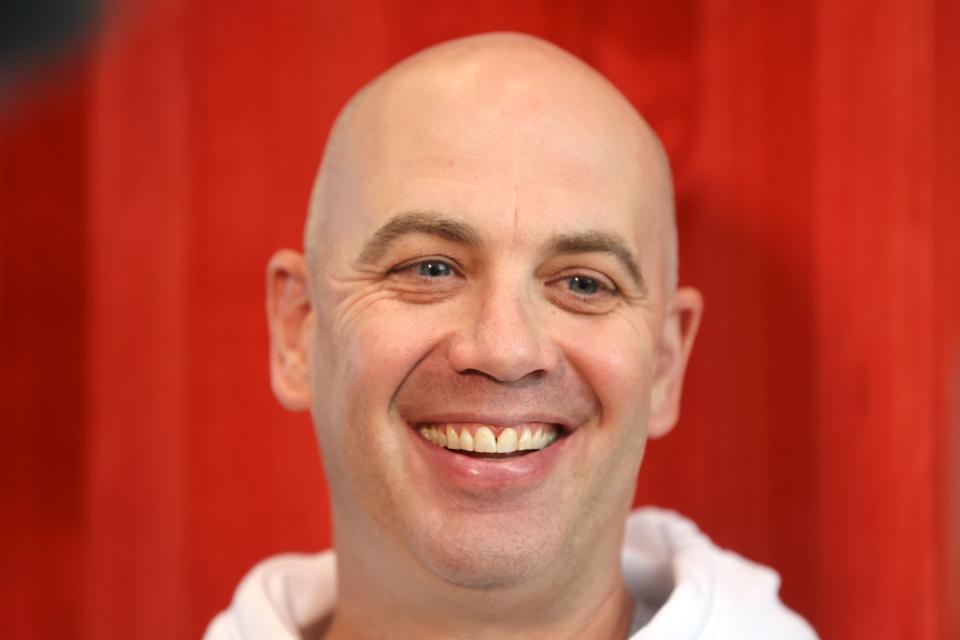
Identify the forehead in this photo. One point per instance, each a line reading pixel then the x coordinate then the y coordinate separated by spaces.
pixel 526 154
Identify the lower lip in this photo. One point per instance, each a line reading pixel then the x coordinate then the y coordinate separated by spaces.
pixel 488 474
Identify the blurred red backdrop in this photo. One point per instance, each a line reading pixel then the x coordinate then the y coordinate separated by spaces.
pixel 143 186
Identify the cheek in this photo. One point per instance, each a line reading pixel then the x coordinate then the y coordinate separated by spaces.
pixel 616 357
pixel 366 358
pixel 371 353
pixel 617 362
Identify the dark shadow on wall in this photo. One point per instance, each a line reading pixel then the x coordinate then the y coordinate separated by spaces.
pixel 36 34
pixel 43 294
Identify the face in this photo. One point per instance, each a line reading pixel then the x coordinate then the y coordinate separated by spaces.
pixel 491 279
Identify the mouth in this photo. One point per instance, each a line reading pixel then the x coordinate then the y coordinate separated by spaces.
pixel 482 457
pixel 491 441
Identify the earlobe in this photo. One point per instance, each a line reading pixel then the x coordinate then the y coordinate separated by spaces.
pixel 288 314
pixel 673 353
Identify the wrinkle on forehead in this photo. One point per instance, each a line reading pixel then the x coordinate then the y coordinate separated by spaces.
pixel 504 96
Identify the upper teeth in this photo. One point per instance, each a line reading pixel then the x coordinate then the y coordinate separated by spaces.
pixel 482 439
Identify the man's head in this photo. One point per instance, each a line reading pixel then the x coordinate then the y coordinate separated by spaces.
pixel 491 249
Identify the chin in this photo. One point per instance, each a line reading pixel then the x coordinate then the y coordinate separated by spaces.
pixel 487 551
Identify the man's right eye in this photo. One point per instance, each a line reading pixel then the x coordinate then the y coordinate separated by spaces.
pixel 431 269
pixel 426 279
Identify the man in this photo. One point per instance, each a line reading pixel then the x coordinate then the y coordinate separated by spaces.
pixel 486 328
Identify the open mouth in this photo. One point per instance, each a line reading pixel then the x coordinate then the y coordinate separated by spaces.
pixel 488 441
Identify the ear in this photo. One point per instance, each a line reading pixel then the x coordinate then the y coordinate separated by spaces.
pixel 676 341
pixel 289 318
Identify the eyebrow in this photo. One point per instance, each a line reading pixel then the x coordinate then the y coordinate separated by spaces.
pixel 436 224
pixel 423 222
pixel 598 241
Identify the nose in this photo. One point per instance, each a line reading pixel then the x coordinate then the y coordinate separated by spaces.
pixel 502 339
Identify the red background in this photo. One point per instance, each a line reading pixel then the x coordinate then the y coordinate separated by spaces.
pixel 144 184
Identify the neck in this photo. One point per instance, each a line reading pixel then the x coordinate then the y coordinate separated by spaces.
pixel 590 603
pixel 609 619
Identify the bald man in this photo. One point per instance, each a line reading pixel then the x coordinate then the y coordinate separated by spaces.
pixel 486 328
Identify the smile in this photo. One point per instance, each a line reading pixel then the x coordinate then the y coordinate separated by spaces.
pixel 489 439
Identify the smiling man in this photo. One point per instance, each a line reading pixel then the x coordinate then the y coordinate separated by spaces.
pixel 487 328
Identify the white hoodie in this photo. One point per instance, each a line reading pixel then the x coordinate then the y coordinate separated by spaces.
pixel 683 587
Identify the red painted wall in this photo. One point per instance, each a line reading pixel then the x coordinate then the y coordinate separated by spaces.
pixel 145 465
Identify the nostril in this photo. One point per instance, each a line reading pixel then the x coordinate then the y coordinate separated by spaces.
pixel 533 377
pixel 477 372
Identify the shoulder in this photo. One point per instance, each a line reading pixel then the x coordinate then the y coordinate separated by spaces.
pixel 278 597
pixel 694 589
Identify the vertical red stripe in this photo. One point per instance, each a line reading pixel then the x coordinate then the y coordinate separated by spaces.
pixel 875 250
pixel 946 201
pixel 141 364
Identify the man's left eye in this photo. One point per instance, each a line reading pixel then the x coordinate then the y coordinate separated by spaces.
pixel 583 285
pixel 582 292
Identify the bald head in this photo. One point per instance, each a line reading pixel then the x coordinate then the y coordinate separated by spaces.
pixel 491 243
pixel 507 105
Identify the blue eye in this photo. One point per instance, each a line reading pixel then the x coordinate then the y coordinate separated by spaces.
pixel 433 269
pixel 583 285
